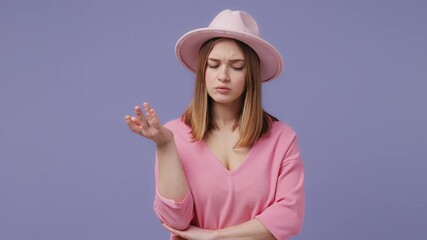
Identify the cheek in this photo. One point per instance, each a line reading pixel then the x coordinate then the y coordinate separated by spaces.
pixel 208 78
pixel 209 74
pixel 241 82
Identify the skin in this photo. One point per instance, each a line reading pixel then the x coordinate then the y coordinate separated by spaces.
pixel 225 79
pixel 225 76
pixel 225 82
pixel 172 181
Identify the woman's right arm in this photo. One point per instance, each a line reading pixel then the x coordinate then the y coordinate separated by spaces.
pixel 172 183
pixel 173 202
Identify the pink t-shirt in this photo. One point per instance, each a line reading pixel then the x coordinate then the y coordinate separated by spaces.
pixel 267 186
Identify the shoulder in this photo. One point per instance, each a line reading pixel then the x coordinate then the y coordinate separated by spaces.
pixel 282 141
pixel 280 134
pixel 179 128
pixel 281 129
pixel 174 124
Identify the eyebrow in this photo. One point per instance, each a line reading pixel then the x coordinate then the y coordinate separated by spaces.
pixel 231 61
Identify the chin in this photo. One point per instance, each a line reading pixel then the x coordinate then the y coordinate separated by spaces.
pixel 224 100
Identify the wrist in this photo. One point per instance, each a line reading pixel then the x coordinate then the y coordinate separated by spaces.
pixel 216 234
pixel 166 138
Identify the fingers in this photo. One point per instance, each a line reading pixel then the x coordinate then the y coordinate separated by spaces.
pixel 142 123
pixel 131 122
pixel 142 119
pixel 146 107
pixel 152 117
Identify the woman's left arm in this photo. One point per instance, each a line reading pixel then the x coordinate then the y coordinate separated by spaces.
pixel 281 220
pixel 284 218
pixel 250 230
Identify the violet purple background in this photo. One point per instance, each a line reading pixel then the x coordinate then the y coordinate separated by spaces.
pixel 354 90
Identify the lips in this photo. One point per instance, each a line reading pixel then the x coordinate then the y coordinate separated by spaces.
pixel 223 88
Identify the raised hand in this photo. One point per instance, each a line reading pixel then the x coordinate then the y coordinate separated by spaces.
pixel 148 125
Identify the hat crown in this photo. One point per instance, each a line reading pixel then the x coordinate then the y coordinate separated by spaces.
pixel 238 25
pixel 236 21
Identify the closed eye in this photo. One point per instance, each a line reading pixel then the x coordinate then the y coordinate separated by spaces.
pixel 238 67
pixel 213 66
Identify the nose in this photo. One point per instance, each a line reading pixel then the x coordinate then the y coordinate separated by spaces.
pixel 223 75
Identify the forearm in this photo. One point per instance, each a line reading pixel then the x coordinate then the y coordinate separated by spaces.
pixel 251 230
pixel 172 183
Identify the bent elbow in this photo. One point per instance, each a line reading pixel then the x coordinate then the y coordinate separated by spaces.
pixel 175 215
pixel 297 226
pixel 178 223
pixel 298 229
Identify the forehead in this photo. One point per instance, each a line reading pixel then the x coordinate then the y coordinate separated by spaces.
pixel 226 48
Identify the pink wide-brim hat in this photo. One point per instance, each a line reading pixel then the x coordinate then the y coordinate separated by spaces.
pixel 237 25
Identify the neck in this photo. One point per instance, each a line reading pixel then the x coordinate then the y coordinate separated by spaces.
pixel 225 115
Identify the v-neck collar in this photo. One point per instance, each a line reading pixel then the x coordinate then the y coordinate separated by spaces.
pixel 214 158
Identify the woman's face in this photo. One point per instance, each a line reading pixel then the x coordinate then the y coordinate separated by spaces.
pixel 225 74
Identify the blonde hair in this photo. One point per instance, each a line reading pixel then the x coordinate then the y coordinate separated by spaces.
pixel 253 121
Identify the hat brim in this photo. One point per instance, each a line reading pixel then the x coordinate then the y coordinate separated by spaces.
pixel 188 46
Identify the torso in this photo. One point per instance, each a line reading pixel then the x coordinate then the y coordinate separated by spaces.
pixel 222 197
pixel 221 145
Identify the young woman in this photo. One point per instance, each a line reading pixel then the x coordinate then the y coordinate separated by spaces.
pixel 226 169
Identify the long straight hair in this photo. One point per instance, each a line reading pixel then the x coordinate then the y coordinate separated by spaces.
pixel 253 121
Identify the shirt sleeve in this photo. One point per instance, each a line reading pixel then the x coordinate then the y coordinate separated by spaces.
pixel 177 215
pixel 284 218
